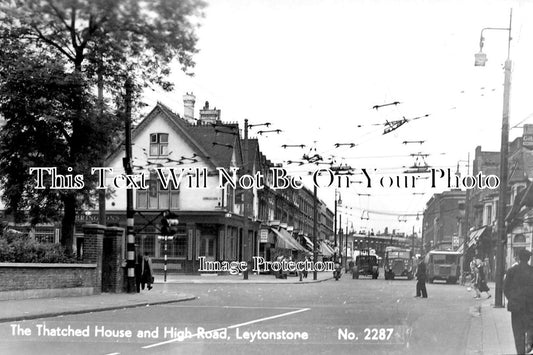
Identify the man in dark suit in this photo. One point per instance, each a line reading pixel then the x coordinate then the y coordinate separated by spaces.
pixel 421 277
pixel 518 288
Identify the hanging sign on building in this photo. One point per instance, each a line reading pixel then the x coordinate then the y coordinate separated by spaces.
pixel 527 139
pixel 263 234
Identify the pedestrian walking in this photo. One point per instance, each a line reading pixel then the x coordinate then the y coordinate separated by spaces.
pixel 480 284
pixel 147 276
pixel 421 279
pixel 518 288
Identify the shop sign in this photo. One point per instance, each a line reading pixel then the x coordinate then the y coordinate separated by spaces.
pixel 263 233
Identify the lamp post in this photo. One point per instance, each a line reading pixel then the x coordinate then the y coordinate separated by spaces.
pixel 247 241
pixel 464 231
pixel 335 225
pixel 480 59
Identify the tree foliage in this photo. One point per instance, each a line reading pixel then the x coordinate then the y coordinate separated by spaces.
pixel 116 37
pixel 55 53
pixel 45 128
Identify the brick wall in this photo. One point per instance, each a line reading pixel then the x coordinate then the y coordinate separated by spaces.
pixel 102 269
pixel 25 280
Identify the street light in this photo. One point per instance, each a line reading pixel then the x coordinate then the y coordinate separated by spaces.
pixel 481 58
pixel 465 230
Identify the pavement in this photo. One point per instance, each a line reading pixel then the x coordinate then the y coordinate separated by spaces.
pixel 490 331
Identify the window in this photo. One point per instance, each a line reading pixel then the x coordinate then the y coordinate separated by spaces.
pixel 489 215
pixel 156 197
pixel 146 242
pixel 177 246
pixel 444 259
pixel 158 144
pixel 519 238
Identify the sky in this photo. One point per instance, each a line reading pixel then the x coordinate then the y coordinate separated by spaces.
pixel 315 69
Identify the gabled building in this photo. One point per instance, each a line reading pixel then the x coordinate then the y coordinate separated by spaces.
pixel 210 218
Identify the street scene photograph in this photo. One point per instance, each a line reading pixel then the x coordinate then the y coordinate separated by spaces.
pixel 266 176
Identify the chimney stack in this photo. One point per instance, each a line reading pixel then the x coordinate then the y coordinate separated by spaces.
pixel 188 111
pixel 209 115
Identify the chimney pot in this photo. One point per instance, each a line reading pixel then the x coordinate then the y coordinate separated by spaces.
pixel 188 107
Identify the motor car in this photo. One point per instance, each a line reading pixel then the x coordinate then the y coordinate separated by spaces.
pixel 366 265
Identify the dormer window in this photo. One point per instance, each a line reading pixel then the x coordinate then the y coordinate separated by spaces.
pixel 158 144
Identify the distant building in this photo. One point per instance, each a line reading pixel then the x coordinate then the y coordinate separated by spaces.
pixel 443 220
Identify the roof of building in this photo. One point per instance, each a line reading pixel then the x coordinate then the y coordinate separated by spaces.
pixel 200 137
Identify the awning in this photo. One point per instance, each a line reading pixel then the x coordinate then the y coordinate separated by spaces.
pixel 326 250
pixel 309 243
pixel 473 238
pixel 285 241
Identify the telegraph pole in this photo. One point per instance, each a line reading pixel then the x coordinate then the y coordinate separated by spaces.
pixel 466 235
pixel 130 247
pixel 335 227
pixel 481 58
pixel 340 237
pixel 246 242
pixel 346 244
pixel 315 229
pixel 502 234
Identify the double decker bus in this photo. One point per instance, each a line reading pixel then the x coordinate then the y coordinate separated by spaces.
pixel 443 265
pixel 398 262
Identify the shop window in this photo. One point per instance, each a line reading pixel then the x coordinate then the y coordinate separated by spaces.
pixel 158 144
pixel 145 244
pixel 177 246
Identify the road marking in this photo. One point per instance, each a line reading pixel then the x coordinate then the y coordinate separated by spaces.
pixel 230 327
pixel 232 307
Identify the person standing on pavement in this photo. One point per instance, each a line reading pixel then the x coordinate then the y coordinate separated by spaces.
pixel 421 279
pixel 518 288
pixel 146 277
pixel 138 271
pixel 306 259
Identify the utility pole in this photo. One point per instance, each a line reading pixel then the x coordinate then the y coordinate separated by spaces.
pixel 340 237
pixel 246 242
pixel 315 229
pixel 502 208
pixel 130 247
pixel 466 228
pixel 413 239
pixel 335 227
pixel 481 58
pixel 346 244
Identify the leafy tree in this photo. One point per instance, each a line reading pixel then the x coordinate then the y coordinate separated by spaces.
pixel 45 128
pixel 93 42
